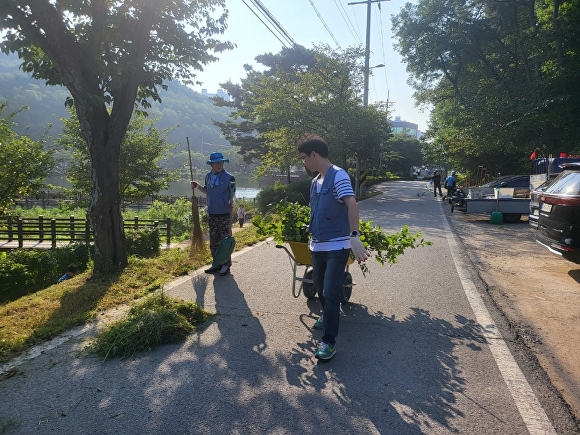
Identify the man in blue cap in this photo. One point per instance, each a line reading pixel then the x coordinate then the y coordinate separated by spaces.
pixel 220 188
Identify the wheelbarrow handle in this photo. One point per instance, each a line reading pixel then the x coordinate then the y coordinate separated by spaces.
pixel 287 252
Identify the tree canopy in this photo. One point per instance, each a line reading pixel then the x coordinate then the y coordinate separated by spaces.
pixel 303 91
pixel 24 164
pixel 111 56
pixel 501 77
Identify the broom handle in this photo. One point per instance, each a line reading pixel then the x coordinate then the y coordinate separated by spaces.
pixel 190 165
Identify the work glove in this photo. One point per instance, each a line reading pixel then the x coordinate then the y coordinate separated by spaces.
pixel 358 249
pixel 193 184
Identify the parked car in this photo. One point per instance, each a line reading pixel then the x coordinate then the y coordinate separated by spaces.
pixel 535 203
pixel 559 214
pixel 520 183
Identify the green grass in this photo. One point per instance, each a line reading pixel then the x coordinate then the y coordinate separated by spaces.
pixel 47 313
pixel 157 320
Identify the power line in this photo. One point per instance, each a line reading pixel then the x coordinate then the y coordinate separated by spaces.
pixel 347 21
pixel 266 25
pixel 383 45
pixel 273 21
pixel 324 24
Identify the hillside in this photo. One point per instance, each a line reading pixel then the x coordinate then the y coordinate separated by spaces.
pixel 190 112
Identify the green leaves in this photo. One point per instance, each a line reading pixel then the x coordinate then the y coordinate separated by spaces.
pixel 290 224
pixel 24 163
pixel 500 77
pixel 142 150
pixel 304 91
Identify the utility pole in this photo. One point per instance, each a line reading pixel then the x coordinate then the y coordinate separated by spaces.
pixel 366 82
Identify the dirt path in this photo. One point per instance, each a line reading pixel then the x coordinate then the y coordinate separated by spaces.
pixel 538 292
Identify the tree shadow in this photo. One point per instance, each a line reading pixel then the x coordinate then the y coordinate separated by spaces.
pixel 410 380
pixel 381 381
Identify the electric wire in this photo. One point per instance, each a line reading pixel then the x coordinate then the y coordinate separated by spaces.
pixel 324 24
pixel 265 25
pixel 347 21
pixel 274 21
pixel 380 19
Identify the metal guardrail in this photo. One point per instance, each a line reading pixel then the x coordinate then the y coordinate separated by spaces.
pixel 66 230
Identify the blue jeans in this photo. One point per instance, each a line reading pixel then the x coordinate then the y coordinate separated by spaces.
pixel 328 276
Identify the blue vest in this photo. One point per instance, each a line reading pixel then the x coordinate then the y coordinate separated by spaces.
pixel 328 217
pixel 218 196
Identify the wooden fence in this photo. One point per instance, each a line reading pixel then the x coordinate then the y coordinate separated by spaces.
pixel 44 232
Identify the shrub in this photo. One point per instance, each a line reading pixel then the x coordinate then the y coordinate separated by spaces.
pixel 23 271
pixel 179 212
pixel 143 242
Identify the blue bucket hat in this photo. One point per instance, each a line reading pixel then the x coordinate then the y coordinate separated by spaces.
pixel 216 157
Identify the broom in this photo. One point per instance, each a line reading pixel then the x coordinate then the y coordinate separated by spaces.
pixel 197 243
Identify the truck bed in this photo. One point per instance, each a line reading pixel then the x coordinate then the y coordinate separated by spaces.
pixel 505 205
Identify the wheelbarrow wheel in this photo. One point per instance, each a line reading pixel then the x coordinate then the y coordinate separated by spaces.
pixel 308 289
pixel 346 288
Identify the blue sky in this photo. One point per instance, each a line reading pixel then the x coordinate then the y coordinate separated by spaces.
pixel 347 24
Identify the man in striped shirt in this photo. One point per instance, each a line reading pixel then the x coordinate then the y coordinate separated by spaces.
pixel 334 229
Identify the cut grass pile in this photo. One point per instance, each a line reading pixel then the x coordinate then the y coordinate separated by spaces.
pixel 43 315
pixel 157 320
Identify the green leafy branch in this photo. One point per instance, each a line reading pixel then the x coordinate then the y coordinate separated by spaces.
pixel 290 224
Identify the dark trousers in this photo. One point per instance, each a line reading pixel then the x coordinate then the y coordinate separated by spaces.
pixel 435 187
pixel 328 277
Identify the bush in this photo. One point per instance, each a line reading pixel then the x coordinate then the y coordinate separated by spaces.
pixel 13 276
pixel 179 212
pixel 143 242
pixel 298 192
pixel 23 271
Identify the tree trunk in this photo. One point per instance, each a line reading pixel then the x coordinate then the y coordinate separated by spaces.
pixel 105 209
pixel 105 215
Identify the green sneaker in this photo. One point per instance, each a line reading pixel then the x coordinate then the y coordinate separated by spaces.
pixel 325 351
pixel 319 324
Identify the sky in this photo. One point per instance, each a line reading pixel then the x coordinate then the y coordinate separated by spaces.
pixel 346 25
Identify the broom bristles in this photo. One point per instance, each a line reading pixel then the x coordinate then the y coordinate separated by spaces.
pixel 197 242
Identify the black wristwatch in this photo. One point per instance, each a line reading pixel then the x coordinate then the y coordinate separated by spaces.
pixel 355 233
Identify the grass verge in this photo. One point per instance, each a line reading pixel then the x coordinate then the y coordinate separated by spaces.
pixel 47 313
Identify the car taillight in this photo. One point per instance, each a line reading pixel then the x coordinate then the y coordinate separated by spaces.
pixel 559 200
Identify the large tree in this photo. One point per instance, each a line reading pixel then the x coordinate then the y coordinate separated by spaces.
pixel 303 91
pixel 24 164
pixel 111 56
pixel 501 76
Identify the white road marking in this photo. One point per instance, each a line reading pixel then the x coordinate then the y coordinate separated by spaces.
pixel 532 413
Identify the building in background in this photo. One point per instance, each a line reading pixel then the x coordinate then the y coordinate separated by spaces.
pixel 405 127
pixel 220 93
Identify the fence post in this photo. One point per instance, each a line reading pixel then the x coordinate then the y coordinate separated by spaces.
pixel 41 228
pixel 168 235
pixel 72 227
pixel 136 222
pixel 53 232
pixel 20 233
pixel 10 231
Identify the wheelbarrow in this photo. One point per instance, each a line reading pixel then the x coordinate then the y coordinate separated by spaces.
pixel 299 255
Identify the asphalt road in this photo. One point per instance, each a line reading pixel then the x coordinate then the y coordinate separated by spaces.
pixel 420 351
